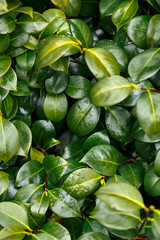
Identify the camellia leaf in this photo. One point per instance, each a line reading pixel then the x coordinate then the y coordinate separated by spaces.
pixel 53 48
pixel 152 182
pixel 3 7
pixel 115 219
pixel 4 180
pixel 9 80
pixel 153 30
pixel 81 31
pixel 19 39
pixel 103 158
pixel 74 226
pixel 9 140
pixel 73 8
pixel 55 106
pixel 30 172
pixel 61 3
pixel 154 4
pixel 110 91
pixel 25 137
pixel 12 232
pixel 61 64
pixel 92 225
pixel 7 25
pixel 83 117
pixel 63 204
pixel 26 60
pixel 39 205
pixel 13 214
pixel 92 236
pixel 144 65
pixel 107 7
pixel 82 182
pixel 101 62
pixel 55 167
pixel 124 12
pixel 26 10
pixel 5 63
pixel 4 42
pixel 36 155
pixel 157 164
pixel 155 224
pixel 148 112
pixel 121 196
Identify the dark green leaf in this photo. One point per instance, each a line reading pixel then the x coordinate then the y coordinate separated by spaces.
pixel 107 7
pixel 4 42
pixel 26 60
pixel 5 63
pixel 157 164
pixel 26 10
pixel 39 205
pixel 74 226
pixel 73 8
pixel 18 39
pixel 152 182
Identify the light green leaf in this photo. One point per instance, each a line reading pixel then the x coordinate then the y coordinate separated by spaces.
pixel 63 204
pixel 9 140
pixel 36 155
pixel 103 158
pixel 4 180
pixel 25 10
pixel 12 232
pixel 4 42
pixel 9 80
pixel 39 205
pixel 157 164
pixel 82 182
pixel 110 91
pixel 101 62
pixel 92 236
pixel 61 64
pixel 124 13
pixel 153 30
pixel 26 60
pixel 5 63
pixel 3 7
pixel 121 196
pixel 7 25
pixel 155 224
pixel 61 3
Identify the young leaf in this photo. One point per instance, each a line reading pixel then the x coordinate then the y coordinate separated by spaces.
pixel 124 13
pixel 4 180
pixel 39 205
pixel 152 183
pixel 110 91
pixel 82 182
pixel 103 158
pixel 101 62
pixel 121 196
pixel 63 204
pixel 61 3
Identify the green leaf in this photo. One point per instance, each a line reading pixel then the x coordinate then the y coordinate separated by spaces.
pixel 30 172
pixel 61 3
pixel 25 10
pixel 81 31
pixel 124 234
pixel 115 219
pixel 5 63
pixel 9 107
pixel 7 25
pixel 55 107
pixel 82 182
pixel 155 224
pixel 28 192
pixel 19 39
pixel 55 167
pixel 56 18
pixel 9 140
pixel 107 7
pixel 63 204
pixel 144 65
pixel 53 48
pixel 152 183
pixel 39 205
pixel 25 137
pixel 12 232
pixel 3 7
pixel 121 196
pixel 92 225
pixel 9 80
pixel 78 87
pixel 26 60
pixel 157 164
pixel 153 30
pixel 154 4
pixel 83 117
pixel 31 43
pixel 36 155
pixel 96 139
pixel 53 231
pixel 73 150
pixel 137 30
pixel 11 5
pixel 4 42
pixel 13 214
pixel 32 25
pixel 92 236
pixel 110 91
pixel 118 126
pixel 101 62
pixel 148 108
pixel 61 64
pixel 74 226
pixel 124 13
pixel 73 8
pixel 103 158
pixel 22 89
pixel 4 180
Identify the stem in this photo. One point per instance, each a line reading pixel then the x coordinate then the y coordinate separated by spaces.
pixel 150 89
pixel 45 184
pixel 79 62
pixel 145 220
pixel 42 150
pixel 142 238
pixel 130 160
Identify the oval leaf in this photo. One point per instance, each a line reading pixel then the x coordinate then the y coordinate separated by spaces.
pixel 4 180
pixel 39 205
pixel 5 63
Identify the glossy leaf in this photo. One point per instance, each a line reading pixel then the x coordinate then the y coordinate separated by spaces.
pixel 103 158
pixel 19 39
pixel 153 30
pixel 61 3
pixel 63 204
pixel 81 31
pixel 115 219
pixel 61 64
pixel 73 8
pixel 5 63
pixel 157 164
pixel 148 112
pixel 54 47
pixel 9 80
pixel 17 217
pixel 4 180
pixel 55 107
pixel 30 172
pixel 9 140
pixel 26 60
pixel 107 7
pixel 36 155
pixel 26 10
pixel 4 42
pixel 155 224
pixel 101 62
pixel 92 236
pixel 110 91
pixel 144 65
pixel 83 117
pixel 92 225
pixel 55 167
pixel 74 226
pixel 121 196
pixel 25 138
pixel 39 205
pixel 152 182
pixel 82 182
pixel 12 232
pixel 3 7
pixel 7 25
pixel 124 13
